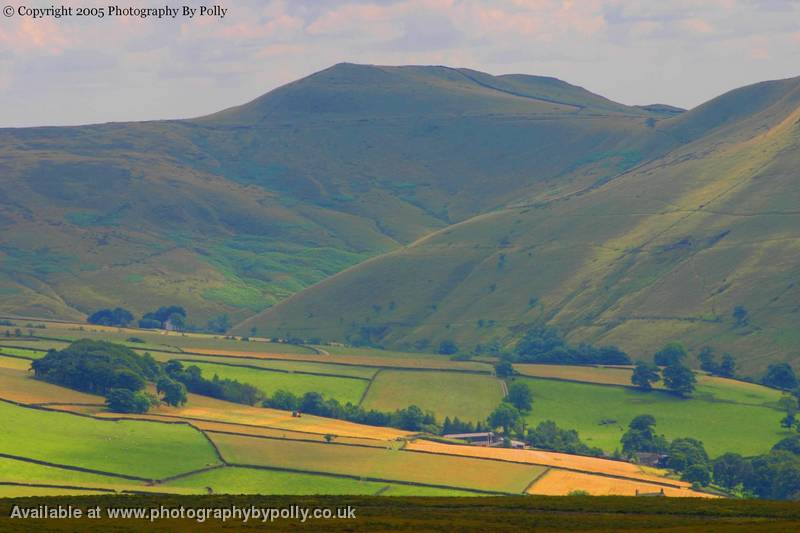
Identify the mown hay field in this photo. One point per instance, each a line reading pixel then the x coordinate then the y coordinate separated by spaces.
pixel 356 360
pixel 343 389
pixel 18 385
pixel 137 448
pixel 453 394
pixel 386 464
pixel 543 458
pixel 562 483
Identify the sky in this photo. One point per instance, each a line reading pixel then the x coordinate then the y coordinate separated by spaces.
pixel 79 70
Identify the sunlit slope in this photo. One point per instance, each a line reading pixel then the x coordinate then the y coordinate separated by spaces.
pixel 236 211
pixel 665 251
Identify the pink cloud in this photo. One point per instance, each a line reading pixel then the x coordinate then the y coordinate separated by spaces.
pixel 697 25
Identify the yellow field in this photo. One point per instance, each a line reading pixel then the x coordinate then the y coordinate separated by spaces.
pixel 550 459
pixel 562 482
pixel 357 360
pixel 201 409
pixel 19 386
pixel 14 363
pixel 587 374
pixel 385 464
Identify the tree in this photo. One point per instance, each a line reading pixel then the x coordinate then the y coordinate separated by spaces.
pixel 730 470
pixel 780 376
pixel 282 399
pixel 127 401
pixel 679 379
pixel 548 436
pixel 505 416
pixel 708 360
pixel 686 452
pixel 789 444
pixel 504 369
pixel 727 368
pixel 520 396
pixel 789 405
pixel 644 375
pixel 697 473
pixel 670 354
pixel 740 316
pixel 174 393
pixel 329 437
pixel 447 347
pixel 641 436
pixel 111 317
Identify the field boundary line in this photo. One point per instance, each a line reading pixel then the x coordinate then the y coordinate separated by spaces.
pixel 53 486
pixel 75 468
pixel 373 479
pixel 366 391
pixel 536 479
pixel 190 473
pixel 278 370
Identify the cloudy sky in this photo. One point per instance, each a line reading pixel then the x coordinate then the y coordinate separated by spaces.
pixel 681 52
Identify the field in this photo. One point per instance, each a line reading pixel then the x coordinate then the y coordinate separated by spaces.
pixel 462 395
pixel 741 420
pixel 586 374
pixel 408 515
pixel 238 480
pixel 562 482
pixel 343 389
pixel 330 369
pixel 145 450
pixel 16 384
pixel 385 464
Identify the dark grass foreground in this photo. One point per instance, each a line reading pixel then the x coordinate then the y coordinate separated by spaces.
pixel 439 514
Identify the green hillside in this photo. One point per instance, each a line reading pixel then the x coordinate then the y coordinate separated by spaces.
pixel 664 251
pixel 234 212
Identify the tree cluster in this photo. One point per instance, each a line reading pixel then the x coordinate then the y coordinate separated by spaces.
pixel 174 316
pixel 229 390
pixel 111 317
pixel 548 436
pixel 112 370
pixel 411 418
pixel 547 345
pixel 677 378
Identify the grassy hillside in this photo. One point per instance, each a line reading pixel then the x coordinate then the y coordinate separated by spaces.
pixel 236 211
pixel 663 251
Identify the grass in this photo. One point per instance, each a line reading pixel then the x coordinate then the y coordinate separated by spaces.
pixel 343 389
pixel 376 514
pixel 722 425
pixel 466 396
pixel 288 366
pixel 17 384
pixel 12 470
pixel 22 352
pixel 389 464
pixel 586 374
pixel 240 480
pixel 143 449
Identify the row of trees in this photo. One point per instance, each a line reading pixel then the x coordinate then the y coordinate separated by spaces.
pixel 173 317
pixel 411 418
pixel 230 390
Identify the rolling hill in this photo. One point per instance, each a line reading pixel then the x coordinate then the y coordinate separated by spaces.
pixel 401 206
pixel 664 250
pixel 233 212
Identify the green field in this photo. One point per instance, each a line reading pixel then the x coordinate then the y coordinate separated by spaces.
pixel 22 352
pixel 239 480
pixel 12 470
pixel 289 366
pixel 467 396
pixel 142 449
pixel 343 389
pixel 387 464
pixel 722 424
